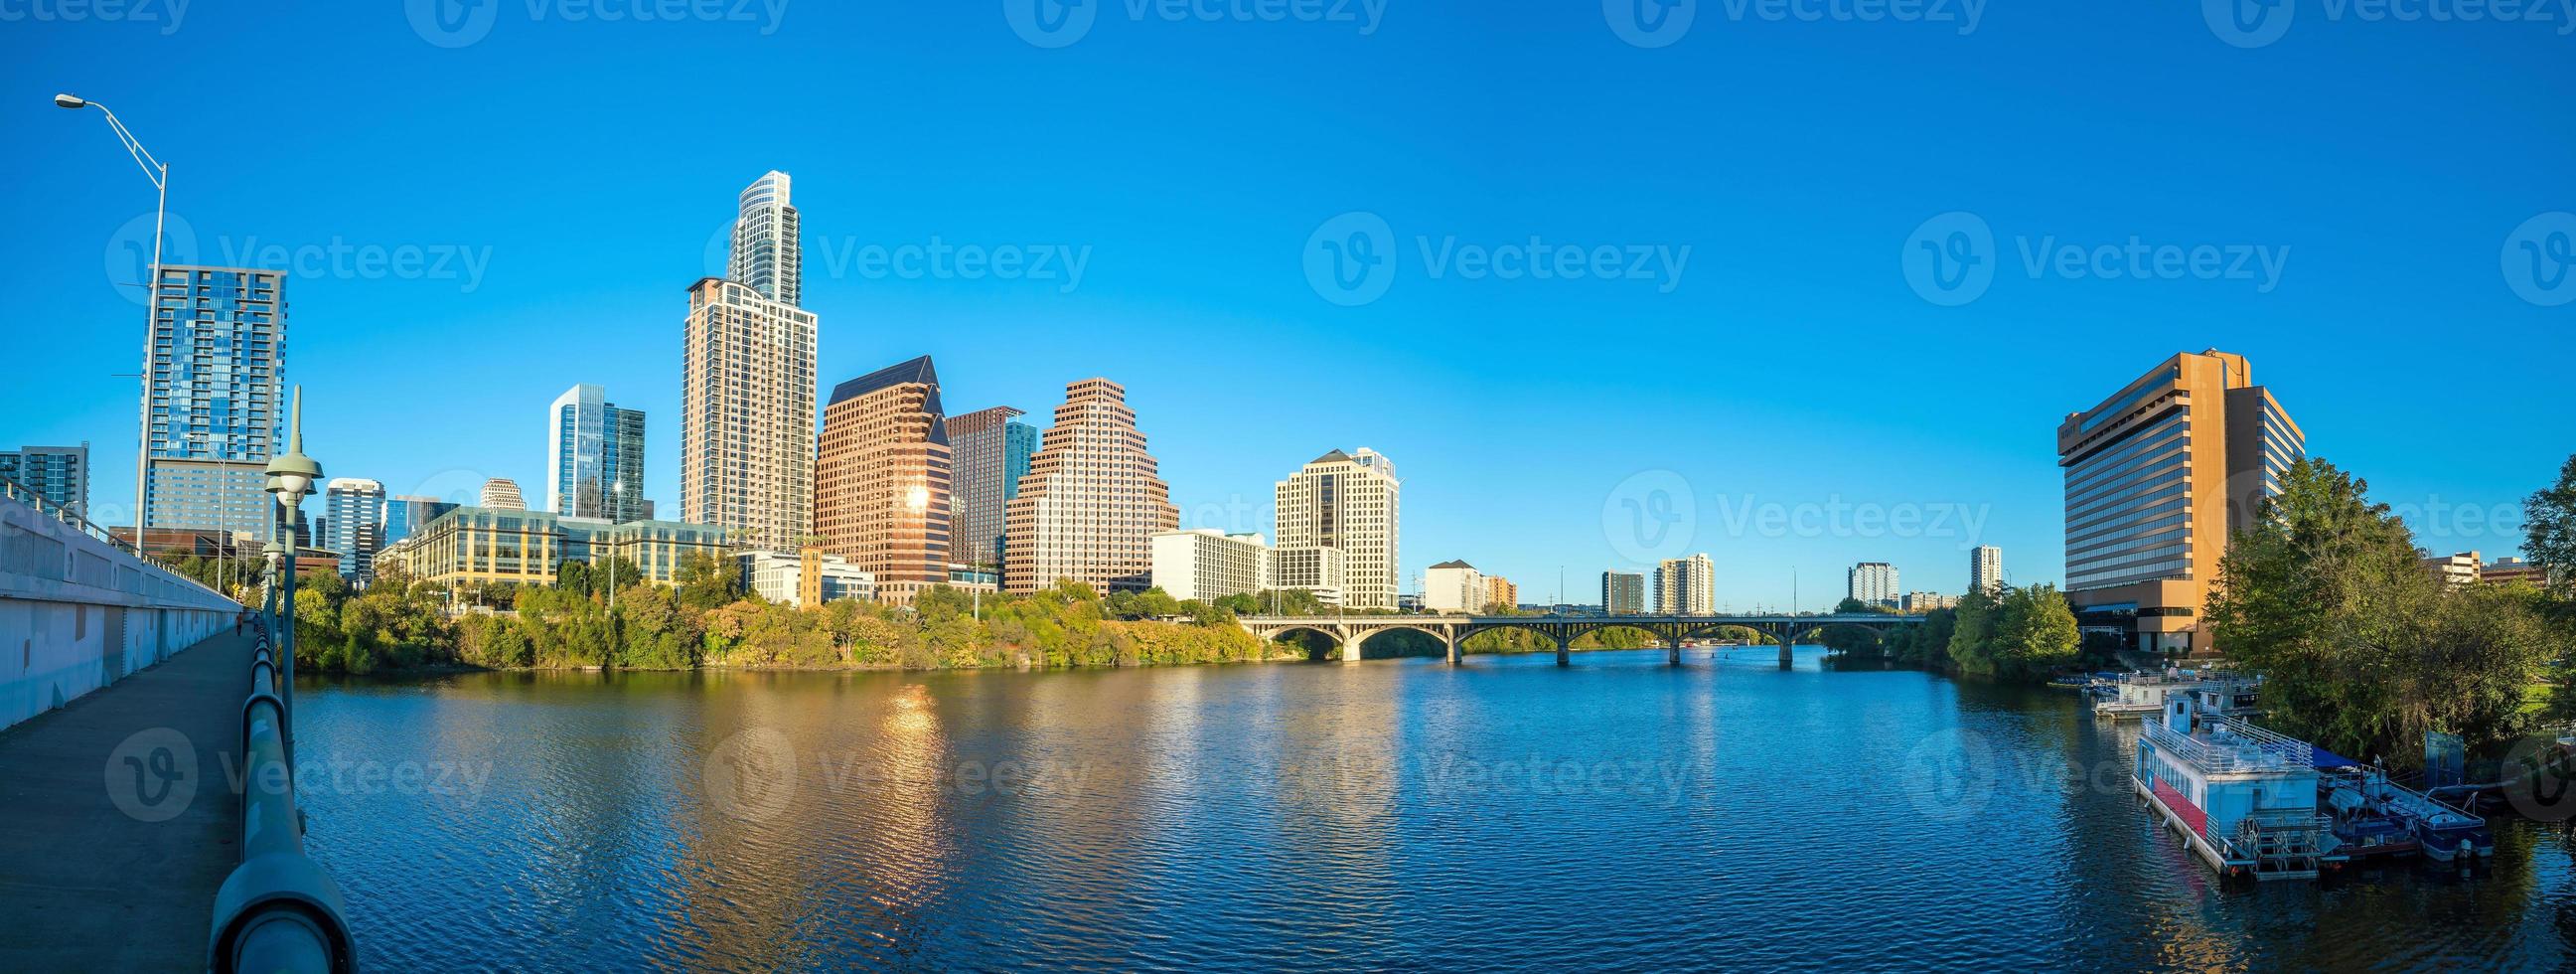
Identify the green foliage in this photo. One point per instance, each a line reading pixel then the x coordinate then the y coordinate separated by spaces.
pixel 2362 648
pixel 2549 531
pixel 2020 633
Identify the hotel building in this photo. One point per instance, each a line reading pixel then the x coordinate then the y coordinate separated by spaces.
pixel 217 399
pixel 1346 501
pixel 1205 563
pixel 881 482
pixel 1686 586
pixel 595 456
pixel 989 451
pixel 1092 500
pixel 748 383
pixel 480 544
pixel 2156 477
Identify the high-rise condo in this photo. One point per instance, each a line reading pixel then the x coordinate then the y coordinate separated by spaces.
pixel 748 384
pixel 1873 583
pixel 1686 586
pixel 881 482
pixel 59 474
pixel 2156 476
pixel 1986 569
pixel 217 399
pixel 1092 501
pixel 1623 593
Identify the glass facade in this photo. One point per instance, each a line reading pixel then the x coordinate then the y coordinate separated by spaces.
pixel 217 397
pixel 595 457
pixel 353 524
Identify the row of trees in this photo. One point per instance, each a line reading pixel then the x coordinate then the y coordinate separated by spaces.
pixel 2016 633
pixel 706 619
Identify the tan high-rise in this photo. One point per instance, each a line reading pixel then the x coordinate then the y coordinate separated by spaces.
pixel 881 481
pixel 2156 476
pixel 1346 501
pixel 747 384
pixel 1092 500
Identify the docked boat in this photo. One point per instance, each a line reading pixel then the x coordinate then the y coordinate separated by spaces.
pixel 2144 694
pixel 2244 798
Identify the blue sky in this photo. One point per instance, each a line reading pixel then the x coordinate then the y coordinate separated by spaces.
pixel 543 188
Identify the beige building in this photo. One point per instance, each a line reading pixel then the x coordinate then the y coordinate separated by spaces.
pixel 1453 587
pixel 1092 500
pixel 881 480
pixel 1686 586
pixel 1500 591
pixel 1347 501
pixel 1324 572
pixel 481 544
pixel 2157 474
pixel 1205 563
pixel 2456 571
pixel 1921 602
pixel 748 384
pixel 502 494
pixel 806 580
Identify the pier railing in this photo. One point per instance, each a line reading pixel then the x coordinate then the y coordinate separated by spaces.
pixel 2233 745
pixel 279 910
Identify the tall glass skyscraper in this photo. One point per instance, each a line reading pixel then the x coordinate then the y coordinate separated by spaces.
pixel 218 396
pixel 748 384
pixel 991 451
pixel 594 456
pixel 353 524
pixel 767 254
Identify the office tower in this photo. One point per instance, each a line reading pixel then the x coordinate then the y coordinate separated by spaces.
pixel 1623 593
pixel 1092 500
pixel 1205 563
pixel 58 474
pixel 1873 583
pixel 594 456
pixel 218 399
pixel 1686 586
pixel 353 524
pixel 405 513
pixel 502 494
pixel 881 482
pixel 468 545
pixel 747 388
pixel 1453 586
pixel 1323 572
pixel 990 451
pixel 1346 501
pixel 1986 569
pixel 768 251
pixel 2156 477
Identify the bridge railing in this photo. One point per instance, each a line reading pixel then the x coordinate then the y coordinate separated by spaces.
pixel 13 490
pixel 279 910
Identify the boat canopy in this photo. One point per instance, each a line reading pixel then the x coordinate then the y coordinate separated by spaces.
pixel 2329 759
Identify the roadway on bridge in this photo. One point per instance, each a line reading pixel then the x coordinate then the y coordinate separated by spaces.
pixel 90 886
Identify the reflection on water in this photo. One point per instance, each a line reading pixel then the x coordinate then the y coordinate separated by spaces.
pixel 1403 814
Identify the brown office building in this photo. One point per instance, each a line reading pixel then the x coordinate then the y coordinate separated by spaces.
pixel 1092 500
pixel 2156 476
pixel 881 480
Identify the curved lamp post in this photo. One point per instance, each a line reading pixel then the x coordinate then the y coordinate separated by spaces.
pixel 160 176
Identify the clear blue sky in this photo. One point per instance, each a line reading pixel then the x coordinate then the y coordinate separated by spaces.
pixel 583 165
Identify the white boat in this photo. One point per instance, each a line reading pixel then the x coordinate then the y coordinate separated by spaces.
pixel 2143 694
pixel 2244 798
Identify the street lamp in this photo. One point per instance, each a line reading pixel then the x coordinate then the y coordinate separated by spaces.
pixel 291 477
pixel 160 176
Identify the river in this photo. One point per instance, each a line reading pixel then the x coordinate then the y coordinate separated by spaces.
pixel 1399 814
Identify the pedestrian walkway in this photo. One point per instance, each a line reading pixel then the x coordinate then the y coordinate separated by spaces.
pixel 119 819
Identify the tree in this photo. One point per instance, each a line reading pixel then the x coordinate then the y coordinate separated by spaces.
pixel 706 582
pixel 2035 632
pixel 2549 531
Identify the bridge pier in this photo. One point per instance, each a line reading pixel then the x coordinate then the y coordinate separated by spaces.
pixel 1564 657
pixel 1451 641
pixel 1350 649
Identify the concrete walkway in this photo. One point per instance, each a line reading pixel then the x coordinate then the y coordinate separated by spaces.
pixel 118 817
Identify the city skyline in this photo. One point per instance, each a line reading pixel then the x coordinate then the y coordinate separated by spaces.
pixel 1178 289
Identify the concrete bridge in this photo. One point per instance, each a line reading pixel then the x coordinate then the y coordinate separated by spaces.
pixel 1348 632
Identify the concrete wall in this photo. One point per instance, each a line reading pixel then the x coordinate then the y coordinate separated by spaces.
pixel 76 614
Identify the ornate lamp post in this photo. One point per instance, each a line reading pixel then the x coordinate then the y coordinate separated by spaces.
pixel 290 477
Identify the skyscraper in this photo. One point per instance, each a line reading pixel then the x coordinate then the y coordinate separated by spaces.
pixel 502 493
pixel 989 450
pixel 1986 569
pixel 1874 583
pixel 747 387
pixel 403 513
pixel 1686 586
pixel 881 482
pixel 594 456
pixel 1092 500
pixel 1346 501
pixel 353 524
pixel 1623 593
pixel 218 399
pixel 2157 475
pixel 59 474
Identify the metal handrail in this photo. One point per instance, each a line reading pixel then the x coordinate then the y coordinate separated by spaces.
pixel 2233 745
pixel 279 910
pixel 12 489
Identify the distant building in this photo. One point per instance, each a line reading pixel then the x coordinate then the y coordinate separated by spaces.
pixel 1453 586
pixel 502 494
pixel 58 474
pixel 784 578
pixel 1623 593
pixel 1324 572
pixel 1920 602
pixel 1205 563
pixel 218 399
pixel 989 452
pixel 483 544
pixel 403 513
pixel 1686 586
pixel 1409 602
pixel 1347 501
pixel 1873 583
pixel 2503 571
pixel 1500 591
pixel 881 480
pixel 1092 501
pixel 353 524
pixel 1986 569
pixel 2455 571
pixel 2157 474
pixel 595 457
